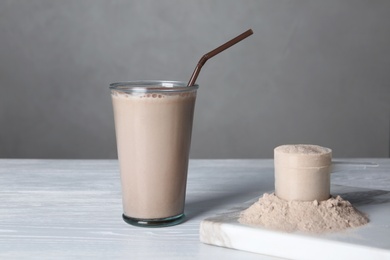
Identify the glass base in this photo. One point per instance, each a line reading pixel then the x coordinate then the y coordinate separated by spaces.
pixel 157 222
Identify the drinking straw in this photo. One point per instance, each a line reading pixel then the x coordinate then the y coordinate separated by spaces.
pixel 214 52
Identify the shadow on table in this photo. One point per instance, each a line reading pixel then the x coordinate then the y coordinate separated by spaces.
pixel 368 197
pixel 225 201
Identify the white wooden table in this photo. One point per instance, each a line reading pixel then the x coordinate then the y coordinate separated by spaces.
pixel 71 209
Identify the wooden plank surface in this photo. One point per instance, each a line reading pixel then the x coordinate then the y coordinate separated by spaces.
pixel 62 209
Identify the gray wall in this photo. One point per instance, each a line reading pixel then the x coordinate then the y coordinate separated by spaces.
pixel 313 72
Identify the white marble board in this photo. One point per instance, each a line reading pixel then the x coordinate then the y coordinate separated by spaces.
pixel 371 241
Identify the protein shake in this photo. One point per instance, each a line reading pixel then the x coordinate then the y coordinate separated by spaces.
pixel 153 124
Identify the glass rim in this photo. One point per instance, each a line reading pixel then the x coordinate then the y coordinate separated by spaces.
pixel 148 86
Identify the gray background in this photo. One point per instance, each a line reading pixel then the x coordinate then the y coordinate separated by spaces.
pixel 313 72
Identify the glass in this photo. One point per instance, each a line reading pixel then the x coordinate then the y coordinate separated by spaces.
pixel 153 125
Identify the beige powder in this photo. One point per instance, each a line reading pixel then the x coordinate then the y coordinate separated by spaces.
pixel 330 215
pixel 302 149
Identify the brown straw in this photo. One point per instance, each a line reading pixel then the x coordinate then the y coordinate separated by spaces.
pixel 214 52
